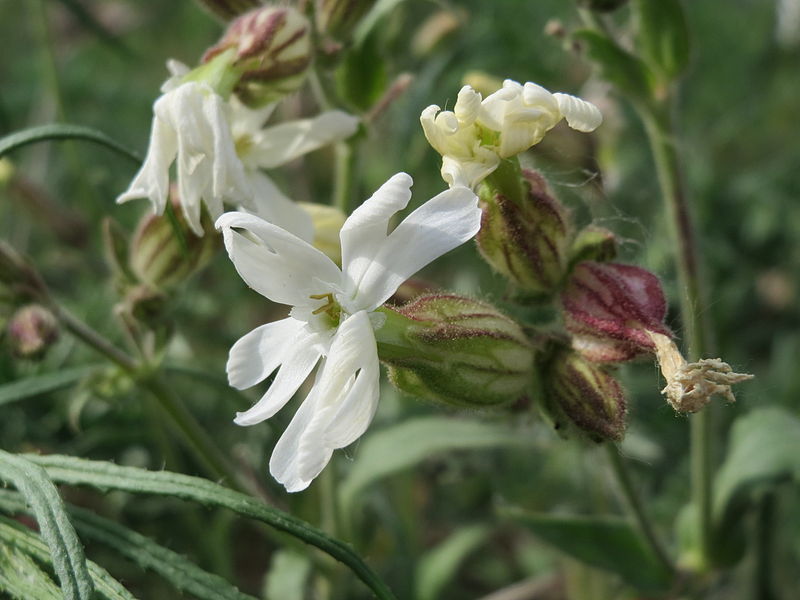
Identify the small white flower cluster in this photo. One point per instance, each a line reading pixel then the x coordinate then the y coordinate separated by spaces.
pixel 220 148
pixel 478 133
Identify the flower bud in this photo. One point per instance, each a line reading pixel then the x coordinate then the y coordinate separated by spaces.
pixel 580 393
pixel 338 18
pixel 272 51
pixel 228 9
pixel 593 243
pixel 526 238
pixel 609 309
pixel 327 221
pixel 458 351
pixel 32 330
pixel 157 256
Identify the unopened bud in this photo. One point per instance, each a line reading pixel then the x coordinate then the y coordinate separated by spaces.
pixel 337 19
pixel 690 386
pixel 593 243
pixel 459 351
pixel 525 238
pixel 327 221
pixel 272 51
pixel 580 393
pixel 228 9
pixel 32 330
pixel 159 257
pixel 609 309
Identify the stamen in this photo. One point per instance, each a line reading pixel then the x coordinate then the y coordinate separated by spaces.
pixel 325 307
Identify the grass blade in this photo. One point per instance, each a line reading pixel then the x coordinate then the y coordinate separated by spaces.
pixel 63 131
pixel 69 561
pixel 106 476
pixel 39 384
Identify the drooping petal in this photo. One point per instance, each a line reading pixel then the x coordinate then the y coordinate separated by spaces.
pixel 228 175
pixel 152 180
pixel 283 143
pixel 441 224
pixel 298 363
pixel 257 354
pixel 276 263
pixel 270 203
pixel 366 229
pixel 580 115
pixel 337 411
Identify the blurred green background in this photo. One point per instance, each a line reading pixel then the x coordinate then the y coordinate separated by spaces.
pixel 741 146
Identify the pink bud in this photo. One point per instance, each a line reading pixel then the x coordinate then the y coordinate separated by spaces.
pixel 609 308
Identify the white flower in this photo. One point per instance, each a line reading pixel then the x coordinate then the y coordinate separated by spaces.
pixel 220 148
pixel 333 315
pixel 479 133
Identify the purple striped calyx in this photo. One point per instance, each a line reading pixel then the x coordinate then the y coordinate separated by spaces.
pixel 456 350
pixel 609 308
pixel 525 232
pixel 271 51
pixel 580 394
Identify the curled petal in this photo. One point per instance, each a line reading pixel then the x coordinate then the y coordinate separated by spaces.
pixel 274 262
pixel 580 115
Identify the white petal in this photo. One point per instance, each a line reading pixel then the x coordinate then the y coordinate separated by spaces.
pixel 276 263
pixel 580 114
pixel 366 229
pixel 337 411
pixel 177 71
pixel 245 120
pixel 270 203
pixel 283 143
pixel 257 354
pixel 152 180
pixel 469 173
pixel 284 464
pixel 228 179
pixel 468 105
pixel 441 224
pixel 297 365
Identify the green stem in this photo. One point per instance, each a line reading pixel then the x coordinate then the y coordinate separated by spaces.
pixel 661 134
pixel 765 531
pixel 344 175
pixel 195 437
pixel 635 505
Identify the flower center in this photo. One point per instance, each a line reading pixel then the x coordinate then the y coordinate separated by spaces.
pixel 243 144
pixel 331 308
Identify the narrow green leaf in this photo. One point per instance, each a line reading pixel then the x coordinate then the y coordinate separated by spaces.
pixel 606 543
pixel 381 9
pixel 69 561
pixel 22 579
pixel 180 572
pixel 438 566
pixel 400 447
pixel 619 67
pixel 763 449
pixel 63 131
pixel 42 383
pixel 27 541
pixel 663 36
pixel 107 476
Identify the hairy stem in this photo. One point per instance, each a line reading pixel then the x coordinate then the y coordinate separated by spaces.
pixel 194 436
pixel 636 506
pixel 661 134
